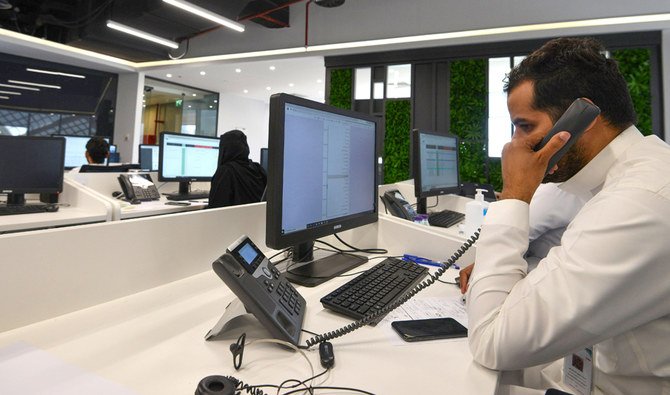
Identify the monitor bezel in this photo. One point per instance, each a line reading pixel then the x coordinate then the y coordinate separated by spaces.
pixel 416 166
pixel 56 189
pixel 274 238
pixel 139 150
pixel 160 158
pixel 108 138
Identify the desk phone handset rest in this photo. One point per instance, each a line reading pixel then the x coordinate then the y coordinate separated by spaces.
pixel 262 289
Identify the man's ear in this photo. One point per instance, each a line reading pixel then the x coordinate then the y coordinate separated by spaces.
pixel 88 157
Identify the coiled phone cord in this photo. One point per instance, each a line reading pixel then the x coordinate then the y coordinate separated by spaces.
pixel 407 296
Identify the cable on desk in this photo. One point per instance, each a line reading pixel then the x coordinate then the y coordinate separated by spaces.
pixel 407 296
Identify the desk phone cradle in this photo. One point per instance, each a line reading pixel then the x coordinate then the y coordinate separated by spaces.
pixel 262 291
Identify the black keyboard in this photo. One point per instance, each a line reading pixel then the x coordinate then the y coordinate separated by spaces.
pixel 375 288
pixel 445 218
pixel 24 209
pixel 192 195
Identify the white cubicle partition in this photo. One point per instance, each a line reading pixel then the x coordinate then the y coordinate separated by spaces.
pixel 77 206
pixel 51 272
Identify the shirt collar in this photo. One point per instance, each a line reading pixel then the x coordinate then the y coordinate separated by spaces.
pixel 589 180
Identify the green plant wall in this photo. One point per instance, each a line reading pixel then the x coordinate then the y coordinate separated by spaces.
pixel 467 106
pixel 635 67
pixel 340 88
pixel 396 143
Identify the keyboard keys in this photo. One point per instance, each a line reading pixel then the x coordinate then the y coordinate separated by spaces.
pixel 445 218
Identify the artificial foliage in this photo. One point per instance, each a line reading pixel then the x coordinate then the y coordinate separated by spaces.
pixel 396 142
pixel 340 88
pixel 634 65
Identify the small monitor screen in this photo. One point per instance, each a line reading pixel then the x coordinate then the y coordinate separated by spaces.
pixel 149 157
pixel 75 150
pixel 437 158
pixel 187 157
pixel 31 164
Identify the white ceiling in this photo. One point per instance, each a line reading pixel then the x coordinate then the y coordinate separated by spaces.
pixel 298 76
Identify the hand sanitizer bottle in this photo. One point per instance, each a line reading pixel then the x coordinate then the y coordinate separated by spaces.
pixel 474 213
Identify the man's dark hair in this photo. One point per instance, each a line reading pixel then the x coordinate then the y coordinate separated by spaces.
pixel 564 69
pixel 98 148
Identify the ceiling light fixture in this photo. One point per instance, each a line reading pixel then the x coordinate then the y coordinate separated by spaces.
pixel 11 93
pixel 138 33
pixel 55 73
pixel 34 84
pixel 194 9
pixel 272 68
pixel 27 88
pixel 168 75
pixel 4 97
pixel 202 73
pixel 238 70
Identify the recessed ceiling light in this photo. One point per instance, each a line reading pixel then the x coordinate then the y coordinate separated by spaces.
pixel 269 88
pixel 168 75
pixel 238 70
pixel 272 68
pixel 194 95
pixel 216 101
pixel 246 91
pixel 319 81
pixel 189 106
pixel 211 106
pixel 202 73
pixel 291 84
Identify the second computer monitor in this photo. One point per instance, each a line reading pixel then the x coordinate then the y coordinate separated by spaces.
pixel 184 158
pixel 75 150
pixel 149 157
pixel 435 165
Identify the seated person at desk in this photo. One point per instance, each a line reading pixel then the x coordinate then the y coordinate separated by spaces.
pixel 97 151
pixel 605 285
pixel 237 179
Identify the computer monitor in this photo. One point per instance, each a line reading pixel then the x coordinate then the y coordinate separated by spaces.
pixel 264 159
pixel 75 150
pixel 185 158
pixel 435 167
pixel 149 157
pixel 30 164
pixel 321 181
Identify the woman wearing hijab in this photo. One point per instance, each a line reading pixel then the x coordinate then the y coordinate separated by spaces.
pixel 237 180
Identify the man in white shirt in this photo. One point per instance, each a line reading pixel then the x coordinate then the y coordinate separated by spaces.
pixel 606 284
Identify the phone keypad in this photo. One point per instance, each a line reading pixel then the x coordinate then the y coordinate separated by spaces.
pixel 289 298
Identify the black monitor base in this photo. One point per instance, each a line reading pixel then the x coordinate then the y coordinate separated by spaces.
pixel 311 274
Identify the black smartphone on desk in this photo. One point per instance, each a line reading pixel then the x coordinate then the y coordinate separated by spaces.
pixel 429 329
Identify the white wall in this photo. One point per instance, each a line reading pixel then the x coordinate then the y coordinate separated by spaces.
pixel 248 115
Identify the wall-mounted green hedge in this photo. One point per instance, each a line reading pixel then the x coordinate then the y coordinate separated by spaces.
pixel 396 142
pixel 634 65
pixel 340 88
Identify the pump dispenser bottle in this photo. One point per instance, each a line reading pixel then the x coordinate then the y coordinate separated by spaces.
pixel 474 213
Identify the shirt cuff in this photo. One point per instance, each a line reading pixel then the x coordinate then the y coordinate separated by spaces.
pixel 508 212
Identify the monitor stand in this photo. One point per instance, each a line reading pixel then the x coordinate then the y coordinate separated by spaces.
pixel 16 199
pixel 185 193
pixel 307 271
pixel 421 206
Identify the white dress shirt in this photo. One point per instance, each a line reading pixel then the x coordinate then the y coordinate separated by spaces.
pixel 607 284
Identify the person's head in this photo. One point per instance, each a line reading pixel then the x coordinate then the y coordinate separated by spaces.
pixel 97 150
pixel 233 146
pixel 544 85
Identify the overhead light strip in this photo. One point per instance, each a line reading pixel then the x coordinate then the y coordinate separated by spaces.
pixel 60 73
pixel 144 35
pixel 27 88
pixel 34 84
pixel 194 9
pixel 11 93
pixel 4 97
pixel 423 38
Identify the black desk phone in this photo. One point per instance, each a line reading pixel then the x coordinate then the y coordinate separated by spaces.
pixel 262 289
pixel 138 187
pixel 576 119
pixel 397 205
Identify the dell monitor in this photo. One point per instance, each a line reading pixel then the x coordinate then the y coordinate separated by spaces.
pixel 184 158
pixel 30 165
pixel 149 157
pixel 75 150
pixel 435 165
pixel 321 181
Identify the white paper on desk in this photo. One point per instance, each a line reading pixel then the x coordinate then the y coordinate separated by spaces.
pixel 27 370
pixel 424 308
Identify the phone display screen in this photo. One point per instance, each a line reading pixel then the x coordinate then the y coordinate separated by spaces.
pixel 429 329
pixel 248 255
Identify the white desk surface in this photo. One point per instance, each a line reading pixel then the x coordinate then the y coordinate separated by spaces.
pixel 153 343
pixel 157 207
pixel 64 216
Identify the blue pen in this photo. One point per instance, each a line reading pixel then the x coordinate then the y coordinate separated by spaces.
pixel 421 261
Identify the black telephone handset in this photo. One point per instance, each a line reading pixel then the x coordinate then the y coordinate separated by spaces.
pixel 397 205
pixel 138 187
pixel 575 120
pixel 262 289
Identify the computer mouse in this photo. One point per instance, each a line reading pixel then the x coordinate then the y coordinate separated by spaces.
pixel 51 208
